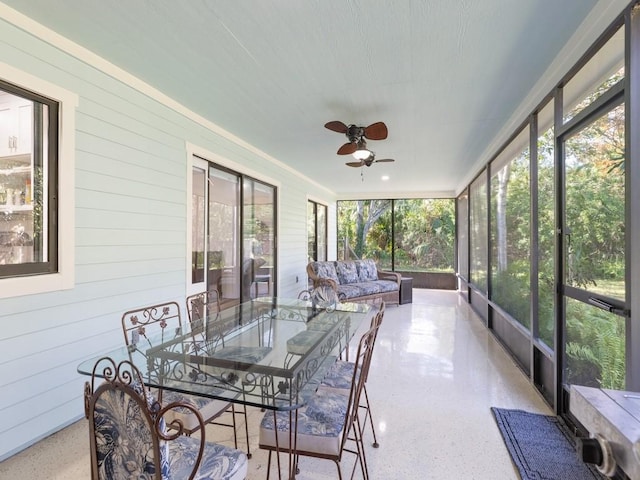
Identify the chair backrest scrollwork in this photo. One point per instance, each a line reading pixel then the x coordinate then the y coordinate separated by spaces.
pixel 157 323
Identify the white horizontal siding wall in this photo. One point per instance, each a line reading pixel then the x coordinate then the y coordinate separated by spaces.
pixel 130 233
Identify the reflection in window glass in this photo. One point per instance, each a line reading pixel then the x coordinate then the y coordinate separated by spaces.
pixel 595 347
pixel 223 252
pixel 478 233
pixel 322 233
pixel 258 233
pixel 424 232
pixel 316 231
pixel 595 206
pixel 27 183
pixel 311 231
pixel 198 212
pixel 510 231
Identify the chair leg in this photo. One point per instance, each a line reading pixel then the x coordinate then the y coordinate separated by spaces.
pixel 235 433
pixel 339 469
pixel 370 418
pixel 360 449
pixel 246 430
pixel 269 465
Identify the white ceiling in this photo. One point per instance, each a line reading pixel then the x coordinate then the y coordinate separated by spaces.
pixel 450 78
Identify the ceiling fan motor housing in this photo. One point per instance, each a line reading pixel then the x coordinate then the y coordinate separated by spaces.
pixel 355 133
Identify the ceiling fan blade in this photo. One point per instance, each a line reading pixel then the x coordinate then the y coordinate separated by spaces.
pixel 336 126
pixel 347 149
pixel 385 160
pixel 376 131
pixel 354 164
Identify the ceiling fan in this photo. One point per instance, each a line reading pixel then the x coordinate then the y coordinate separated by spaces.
pixel 357 135
pixel 370 160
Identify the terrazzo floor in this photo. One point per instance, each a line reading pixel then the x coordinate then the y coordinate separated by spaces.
pixel 435 373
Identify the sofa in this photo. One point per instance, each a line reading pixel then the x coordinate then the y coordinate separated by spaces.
pixel 356 280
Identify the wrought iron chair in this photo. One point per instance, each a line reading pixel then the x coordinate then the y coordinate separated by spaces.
pixel 327 421
pixel 340 375
pixel 201 305
pixel 147 327
pixel 203 312
pixel 129 436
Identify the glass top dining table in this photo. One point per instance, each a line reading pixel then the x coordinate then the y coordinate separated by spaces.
pixel 268 352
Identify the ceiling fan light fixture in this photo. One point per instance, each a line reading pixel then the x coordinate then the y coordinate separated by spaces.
pixel 362 154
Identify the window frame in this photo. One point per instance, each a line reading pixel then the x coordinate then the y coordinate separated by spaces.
pixel 59 273
pixel 316 242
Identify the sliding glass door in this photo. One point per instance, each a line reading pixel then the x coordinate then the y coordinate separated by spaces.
pixel 233 234
pixel 259 239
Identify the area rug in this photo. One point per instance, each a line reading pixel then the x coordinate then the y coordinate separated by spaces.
pixel 542 447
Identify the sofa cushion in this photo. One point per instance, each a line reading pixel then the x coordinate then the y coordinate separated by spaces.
pixel 368 288
pixel 387 285
pixel 347 272
pixel 325 270
pixel 367 270
pixel 361 289
pixel 349 291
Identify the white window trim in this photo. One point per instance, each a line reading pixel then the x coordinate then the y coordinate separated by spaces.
pixel 64 279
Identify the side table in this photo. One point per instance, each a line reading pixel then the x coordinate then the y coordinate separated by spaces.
pixel 406 290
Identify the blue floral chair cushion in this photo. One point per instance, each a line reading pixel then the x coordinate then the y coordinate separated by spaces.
pixel 347 272
pixel 367 270
pixel 320 424
pixel 218 461
pixel 340 375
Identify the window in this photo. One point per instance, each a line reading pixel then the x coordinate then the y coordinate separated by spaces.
pixel 233 234
pixel 365 231
pixel 36 204
pixel 478 258
pixel 462 222
pixel 423 235
pixel 408 235
pixel 28 150
pixel 316 231
pixel 510 229
pixel 546 225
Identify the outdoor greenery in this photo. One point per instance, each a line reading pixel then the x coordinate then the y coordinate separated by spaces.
pixel 419 232
pixel 510 237
pixel 594 244
pixel 478 260
pixel 595 347
pixel 595 213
